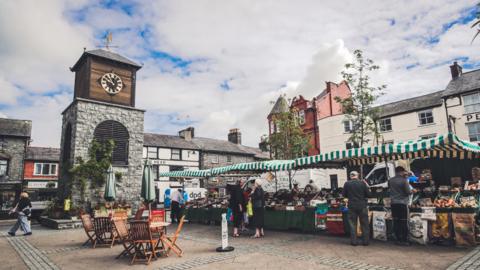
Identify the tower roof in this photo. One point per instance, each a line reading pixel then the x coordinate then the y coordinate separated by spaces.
pixel 281 106
pixel 106 55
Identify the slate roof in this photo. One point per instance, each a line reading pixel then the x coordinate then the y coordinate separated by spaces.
pixel 170 141
pixel 281 106
pixel 411 104
pixel 107 55
pixel 466 82
pixel 43 153
pixel 204 144
pixel 14 127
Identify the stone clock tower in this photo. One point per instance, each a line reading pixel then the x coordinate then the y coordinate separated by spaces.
pixel 103 108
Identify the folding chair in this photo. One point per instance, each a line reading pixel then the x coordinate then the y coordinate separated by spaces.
pixel 139 213
pixel 120 214
pixel 171 241
pixel 145 246
pixel 89 230
pixel 103 231
pixel 158 216
pixel 123 234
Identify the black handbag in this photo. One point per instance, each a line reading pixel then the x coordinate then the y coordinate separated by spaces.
pixel 27 212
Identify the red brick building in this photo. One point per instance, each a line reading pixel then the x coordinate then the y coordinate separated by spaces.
pixel 311 111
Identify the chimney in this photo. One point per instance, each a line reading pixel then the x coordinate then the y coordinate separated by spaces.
pixel 456 70
pixel 187 134
pixel 235 136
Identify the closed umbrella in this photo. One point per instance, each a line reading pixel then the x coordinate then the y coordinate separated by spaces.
pixel 148 184
pixel 110 192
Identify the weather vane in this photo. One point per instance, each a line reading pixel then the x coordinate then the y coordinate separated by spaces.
pixel 108 41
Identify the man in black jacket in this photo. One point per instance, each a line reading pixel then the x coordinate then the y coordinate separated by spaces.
pixel 357 193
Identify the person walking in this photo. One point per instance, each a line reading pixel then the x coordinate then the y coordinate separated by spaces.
pixel 23 211
pixel 175 199
pixel 236 204
pixel 258 201
pixel 357 193
pixel 400 191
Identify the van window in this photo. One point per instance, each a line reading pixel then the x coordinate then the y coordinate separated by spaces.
pixel 378 176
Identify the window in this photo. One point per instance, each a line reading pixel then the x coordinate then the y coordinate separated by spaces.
pixel 229 158
pixel 385 124
pixel 428 136
pixel 145 151
pixel 214 158
pixel 113 130
pixel 155 172
pixel 350 145
pixel 347 126
pixel 45 169
pixel 474 131
pixel 3 167
pixel 176 154
pixel 378 176
pixel 272 127
pixel 472 103
pixel 152 152
pixel 388 142
pixel 301 117
pixel 425 117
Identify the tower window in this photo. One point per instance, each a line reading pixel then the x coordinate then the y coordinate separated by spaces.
pixel 113 130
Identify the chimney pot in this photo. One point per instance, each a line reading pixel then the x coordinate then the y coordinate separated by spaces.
pixel 455 70
pixel 187 134
pixel 235 136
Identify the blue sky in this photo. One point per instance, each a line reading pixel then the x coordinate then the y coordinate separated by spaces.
pixel 216 65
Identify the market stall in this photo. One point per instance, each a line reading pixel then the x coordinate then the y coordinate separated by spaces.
pixel 444 210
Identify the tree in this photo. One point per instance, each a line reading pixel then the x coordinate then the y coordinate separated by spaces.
pixel 287 140
pixel 92 173
pixel 358 107
pixel 477 22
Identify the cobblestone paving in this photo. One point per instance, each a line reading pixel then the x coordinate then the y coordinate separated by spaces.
pixel 33 258
pixel 471 261
pixel 269 249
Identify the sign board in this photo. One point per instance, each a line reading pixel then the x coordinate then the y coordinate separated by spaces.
pixel 224 231
pixel 39 184
pixel 429 213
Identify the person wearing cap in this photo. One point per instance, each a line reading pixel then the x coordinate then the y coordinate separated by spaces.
pixel 400 191
pixel 357 193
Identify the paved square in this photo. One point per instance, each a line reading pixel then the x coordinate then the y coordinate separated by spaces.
pixel 51 249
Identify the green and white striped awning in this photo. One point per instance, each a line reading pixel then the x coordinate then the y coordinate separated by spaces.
pixel 262 166
pixel 448 146
pixel 187 173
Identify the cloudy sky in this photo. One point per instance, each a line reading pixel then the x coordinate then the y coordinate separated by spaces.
pixel 218 64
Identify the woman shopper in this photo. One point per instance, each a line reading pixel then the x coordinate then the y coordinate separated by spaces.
pixel 23 211
pixel 258 200
pixel 236 204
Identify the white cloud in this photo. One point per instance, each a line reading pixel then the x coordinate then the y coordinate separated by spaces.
pixel 261 48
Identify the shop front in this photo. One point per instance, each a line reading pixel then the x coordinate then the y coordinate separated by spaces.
pixel 9 194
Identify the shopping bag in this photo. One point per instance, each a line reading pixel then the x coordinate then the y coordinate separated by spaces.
pixel 249 209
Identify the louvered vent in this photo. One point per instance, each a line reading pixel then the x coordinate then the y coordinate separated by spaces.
pixel 119 134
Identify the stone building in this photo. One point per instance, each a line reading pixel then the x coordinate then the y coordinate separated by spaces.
pixel 103 108
pixel 14 140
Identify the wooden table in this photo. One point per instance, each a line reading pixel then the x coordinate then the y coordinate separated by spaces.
pixel 160 228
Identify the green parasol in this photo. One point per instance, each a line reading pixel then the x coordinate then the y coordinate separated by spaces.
pixel 148 183
pixel 110 192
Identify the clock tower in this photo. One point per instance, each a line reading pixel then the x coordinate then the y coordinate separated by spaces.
pixel 103 108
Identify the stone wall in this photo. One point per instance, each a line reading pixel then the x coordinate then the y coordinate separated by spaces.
pixel 84 116
pixel 14 148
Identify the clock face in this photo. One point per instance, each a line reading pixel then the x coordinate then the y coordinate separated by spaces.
pixel 112 83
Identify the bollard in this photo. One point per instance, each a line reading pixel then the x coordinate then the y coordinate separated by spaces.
pixel 225 247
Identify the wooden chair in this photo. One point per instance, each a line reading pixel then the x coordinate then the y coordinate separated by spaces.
pixel 123 235
pixel 158 216
pixel 145 245
pixel 139 213
pixel 120 214
pixel 171 241
pixel 89 230
pixel 103 231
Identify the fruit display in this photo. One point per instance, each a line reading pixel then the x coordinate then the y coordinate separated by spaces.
pixel 444 203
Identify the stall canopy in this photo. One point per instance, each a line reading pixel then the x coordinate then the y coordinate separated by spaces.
pixel 443 146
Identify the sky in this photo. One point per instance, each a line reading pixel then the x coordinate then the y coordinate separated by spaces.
pixel 216 64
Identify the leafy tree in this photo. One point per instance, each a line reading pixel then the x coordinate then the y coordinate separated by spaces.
pixel 287 140
pixel 91 173
pixel 358 107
